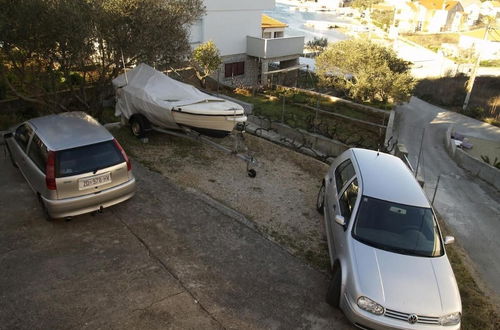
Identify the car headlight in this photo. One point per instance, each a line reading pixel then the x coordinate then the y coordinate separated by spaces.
pixel 450 319
pixel 370 306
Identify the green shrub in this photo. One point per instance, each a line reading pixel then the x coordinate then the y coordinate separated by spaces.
pixel 475 112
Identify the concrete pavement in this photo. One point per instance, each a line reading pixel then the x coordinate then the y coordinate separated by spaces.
pixel 469 206
pixel 165 259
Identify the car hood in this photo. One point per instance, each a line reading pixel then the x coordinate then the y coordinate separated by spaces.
pixel 409 284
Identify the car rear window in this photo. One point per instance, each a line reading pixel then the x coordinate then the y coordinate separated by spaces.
pixel 87 159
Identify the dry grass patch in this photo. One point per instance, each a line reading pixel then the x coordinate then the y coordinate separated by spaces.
pixel 478 310
pixel 280 200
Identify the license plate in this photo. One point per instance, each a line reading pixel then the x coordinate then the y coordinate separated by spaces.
pixel 94 181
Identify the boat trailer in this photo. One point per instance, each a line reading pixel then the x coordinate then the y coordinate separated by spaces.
pixel 192 135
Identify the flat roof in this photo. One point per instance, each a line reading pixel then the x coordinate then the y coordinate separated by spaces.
pixel 386 177
pixel 69 130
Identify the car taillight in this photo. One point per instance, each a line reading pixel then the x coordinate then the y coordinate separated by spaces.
pixel 129 165
pixel 50 171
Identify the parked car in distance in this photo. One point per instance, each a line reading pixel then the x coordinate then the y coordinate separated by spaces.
pixel 389 265
pixel 72 163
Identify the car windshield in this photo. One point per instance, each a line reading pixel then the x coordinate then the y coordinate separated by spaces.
pixel 397 228
pixel 87 159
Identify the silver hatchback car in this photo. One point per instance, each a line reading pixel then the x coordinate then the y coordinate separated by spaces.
pixel 72 163
pixel 389 265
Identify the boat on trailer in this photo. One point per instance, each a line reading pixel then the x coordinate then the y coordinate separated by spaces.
pixel 147 97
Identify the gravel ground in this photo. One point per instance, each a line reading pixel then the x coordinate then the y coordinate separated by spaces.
pixel 280 200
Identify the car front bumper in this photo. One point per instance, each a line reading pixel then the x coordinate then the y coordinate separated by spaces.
pixel 365 320
pixel 69 207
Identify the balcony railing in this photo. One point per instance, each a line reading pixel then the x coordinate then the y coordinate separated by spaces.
pixel 277 47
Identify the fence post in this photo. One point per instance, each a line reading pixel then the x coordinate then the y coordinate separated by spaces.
pixel 317 113
pixel 435 189
pixel 283 110
pixel 420 152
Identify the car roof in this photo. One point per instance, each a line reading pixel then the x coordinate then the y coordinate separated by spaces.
pixel 69 130
pixel 386 177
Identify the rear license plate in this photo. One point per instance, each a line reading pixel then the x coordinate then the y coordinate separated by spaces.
pixel 94 181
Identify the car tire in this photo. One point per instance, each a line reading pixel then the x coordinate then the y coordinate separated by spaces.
pixel 333 293
pixel 320 199
pixel 46 214
pixel 138 125
pixel 10 156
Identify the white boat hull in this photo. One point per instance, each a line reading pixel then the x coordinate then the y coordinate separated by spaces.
pixel 218 125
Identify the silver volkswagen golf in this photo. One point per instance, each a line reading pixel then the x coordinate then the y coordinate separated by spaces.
pixel 389 265
pixel 72 163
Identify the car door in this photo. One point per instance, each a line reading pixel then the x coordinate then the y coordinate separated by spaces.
pixel 338 178
pixel 345 207
pixel 19 145
pixel 36 164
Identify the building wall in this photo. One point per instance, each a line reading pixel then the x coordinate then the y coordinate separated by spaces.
pixel 252 71
pixel 229 22
pixel 489 50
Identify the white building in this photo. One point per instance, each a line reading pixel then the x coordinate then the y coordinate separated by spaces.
pixel 487 47
pixel 472 10
pixel 236 27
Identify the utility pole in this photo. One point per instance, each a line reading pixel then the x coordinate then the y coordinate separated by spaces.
pixel 470 82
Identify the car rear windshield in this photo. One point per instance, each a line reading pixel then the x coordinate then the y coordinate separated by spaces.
pixel 397 228
pixel 87 158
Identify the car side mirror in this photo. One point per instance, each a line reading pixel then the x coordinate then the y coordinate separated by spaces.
pixel 340 220
pixel 449 240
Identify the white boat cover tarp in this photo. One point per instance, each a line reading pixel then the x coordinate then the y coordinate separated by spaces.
pixel 153 94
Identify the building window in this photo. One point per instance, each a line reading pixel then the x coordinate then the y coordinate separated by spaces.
pixel 234 69
pixel 267 35
pixel 278 34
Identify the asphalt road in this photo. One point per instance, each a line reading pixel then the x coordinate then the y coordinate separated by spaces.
pixel 165 259
pixel 469 206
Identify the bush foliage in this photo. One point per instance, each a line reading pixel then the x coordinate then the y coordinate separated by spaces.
pixel 366 71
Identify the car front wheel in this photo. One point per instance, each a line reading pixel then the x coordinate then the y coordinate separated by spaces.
pixel 333 293
pixel 320 200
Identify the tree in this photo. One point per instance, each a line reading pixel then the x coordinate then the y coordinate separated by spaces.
pixel 364 4
pixel 317 44
pixel 206 60
pixel 366 71
pixel 43 43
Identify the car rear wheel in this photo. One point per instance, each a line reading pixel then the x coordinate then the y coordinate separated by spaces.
pixel 320 200
pixel 333 293
pixel 138 126
pixel 10 155
pixel 46 214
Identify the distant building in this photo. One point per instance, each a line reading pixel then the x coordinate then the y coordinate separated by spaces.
pixel 472 11
pixel 440 15
pixel 489 48
pixel 247 40
pixel 491 9
pixel 427 15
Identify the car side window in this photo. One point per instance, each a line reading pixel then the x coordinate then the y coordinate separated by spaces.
pixel 38 153
pixel 348 200
pixel 22 135
pixel 343 174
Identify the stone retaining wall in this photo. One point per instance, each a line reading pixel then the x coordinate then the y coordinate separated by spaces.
pixel 477 167
pixel 321 145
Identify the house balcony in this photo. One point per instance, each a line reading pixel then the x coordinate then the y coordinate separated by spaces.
pixel 274 48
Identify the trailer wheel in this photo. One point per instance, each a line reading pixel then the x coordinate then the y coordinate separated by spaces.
pixel 138 125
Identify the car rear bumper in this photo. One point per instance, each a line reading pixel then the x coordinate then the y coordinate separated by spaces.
pixel 366 320
pixel 69 207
